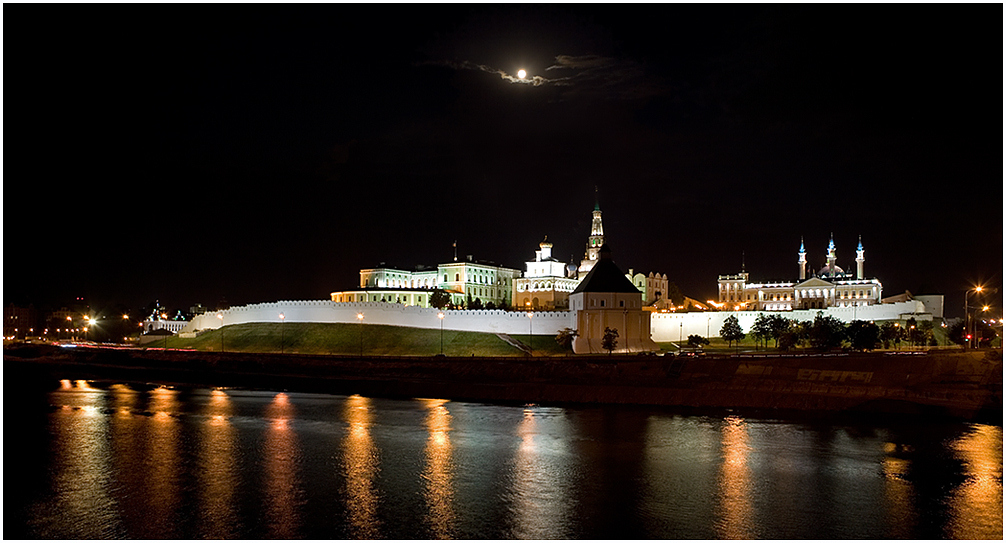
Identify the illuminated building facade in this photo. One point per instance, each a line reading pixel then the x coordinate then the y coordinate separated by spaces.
pixel 653 286
pixel 464 281
pixel 547 282
pixel 831 286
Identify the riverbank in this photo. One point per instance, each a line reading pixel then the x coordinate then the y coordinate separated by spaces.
pixel 965 384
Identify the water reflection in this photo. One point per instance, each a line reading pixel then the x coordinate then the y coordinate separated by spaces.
pixel 117 463
pixel 540 496
pixel 361 462
pixel 439 471
pixel 281 452
pixel 218 476
pixel 898 491
pixel 976 505
pixel 164 462
pixel 735 517
pixel 83 505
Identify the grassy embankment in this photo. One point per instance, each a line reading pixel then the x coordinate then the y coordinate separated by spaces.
pixel 345 339
pixel 718 345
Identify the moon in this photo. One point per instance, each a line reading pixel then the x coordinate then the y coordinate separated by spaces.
pixel 521 74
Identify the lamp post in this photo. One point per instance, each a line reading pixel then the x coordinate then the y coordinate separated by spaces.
pixel 359 317
pixel 530 331
pixel 221 317
pixel 440 316
pixel 282 319
pixel 967 317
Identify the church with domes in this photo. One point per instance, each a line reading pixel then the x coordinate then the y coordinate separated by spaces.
pixel 831 286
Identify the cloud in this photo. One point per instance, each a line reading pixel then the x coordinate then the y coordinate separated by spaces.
pixel 584 75
pixel 535 80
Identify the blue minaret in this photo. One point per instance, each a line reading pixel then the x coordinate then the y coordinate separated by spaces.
pixel 831 254
pixel 802 261
pixel 860 258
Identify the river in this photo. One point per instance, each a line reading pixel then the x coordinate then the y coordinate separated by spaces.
pixel 114 462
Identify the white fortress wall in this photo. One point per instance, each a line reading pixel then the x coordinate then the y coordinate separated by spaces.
pixel 663 326
pixel 671 326
pixel 392 314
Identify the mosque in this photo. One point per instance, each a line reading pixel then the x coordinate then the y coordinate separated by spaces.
pixel 831 286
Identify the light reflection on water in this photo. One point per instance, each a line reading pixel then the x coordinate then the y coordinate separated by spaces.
pixel 281 456
pixel 361 464
pixel 125 463
pixel 439 471
pixel 735 483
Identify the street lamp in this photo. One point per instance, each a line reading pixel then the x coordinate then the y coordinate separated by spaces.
pixel 440 316
pixel 967 316
pixel 359 317
pixel 530 331
pixel 282 319
pixel 221 317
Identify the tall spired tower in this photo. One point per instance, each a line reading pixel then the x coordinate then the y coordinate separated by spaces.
pixel 802 261
pixel 594 242
pixel 860 259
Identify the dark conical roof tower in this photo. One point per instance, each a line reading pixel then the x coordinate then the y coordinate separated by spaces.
pixel 605 276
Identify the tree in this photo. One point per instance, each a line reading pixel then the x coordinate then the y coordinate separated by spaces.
pixel 610 339
pixel 826 332
pixel 891 332
pixel 761 330
pixel 695 341
pixel 793 334
pixel 565 337
pixel 440 299
pixel 780 325
pixel 863 335
pixel 731 330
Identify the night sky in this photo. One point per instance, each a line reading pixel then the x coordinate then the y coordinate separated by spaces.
pixel 188 153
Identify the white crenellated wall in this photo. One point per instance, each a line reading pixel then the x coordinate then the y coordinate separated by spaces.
pixel 672 326
pixel 663 326
pixel 492 321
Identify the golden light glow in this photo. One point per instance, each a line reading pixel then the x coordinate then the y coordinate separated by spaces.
pixel 521 74
pixel 361 462
pixel 281 452
pixel 977 504
pixel 439 472
pixel 735 483
pixel 217 459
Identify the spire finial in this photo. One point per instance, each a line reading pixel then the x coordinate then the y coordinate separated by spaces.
pixel 597 199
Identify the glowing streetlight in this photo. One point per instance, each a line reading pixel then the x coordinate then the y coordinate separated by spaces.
pixel 221 317
pixel 967 316
pixel 359 317
pixel 530 332
pixel 440 316
pixel 282 319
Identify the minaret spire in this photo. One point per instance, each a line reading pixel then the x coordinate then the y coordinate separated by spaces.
pixel 802 261
pixel 860 259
